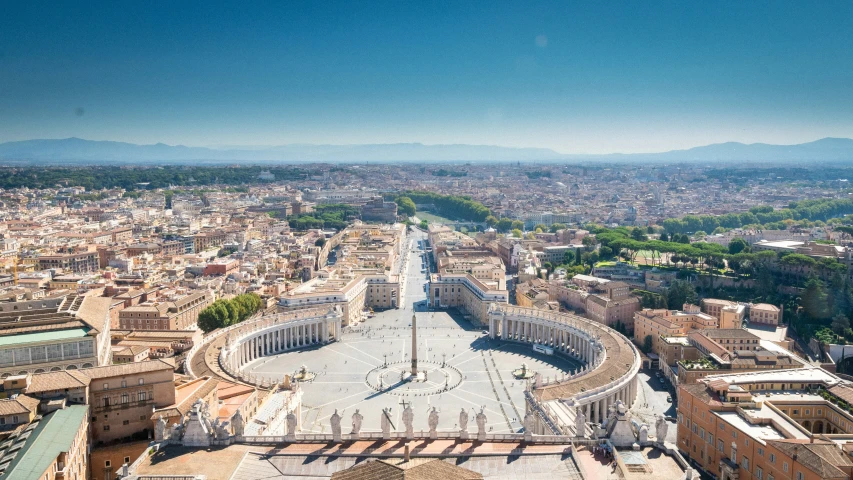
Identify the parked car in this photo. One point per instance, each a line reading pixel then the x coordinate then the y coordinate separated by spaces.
pixel 669 399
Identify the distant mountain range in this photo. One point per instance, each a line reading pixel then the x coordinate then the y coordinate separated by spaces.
pixel 80 151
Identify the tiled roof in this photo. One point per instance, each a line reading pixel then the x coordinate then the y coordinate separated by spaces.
pixel 20 405
pixel 823 458
pixel 68 379
pixel 129 368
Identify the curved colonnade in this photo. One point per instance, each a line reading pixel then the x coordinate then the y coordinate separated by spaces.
pixel 274 334
pixel 610 374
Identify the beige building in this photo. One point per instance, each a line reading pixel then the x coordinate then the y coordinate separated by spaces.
pixel 122 398
pixel 77 262
pixel 767 425
pixel 173 312
pixel 662 323
pixel 463 291
pixel 765 313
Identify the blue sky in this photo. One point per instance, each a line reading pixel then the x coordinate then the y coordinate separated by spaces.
pixel 577 77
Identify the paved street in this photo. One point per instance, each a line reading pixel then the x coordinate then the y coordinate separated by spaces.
pixel 484 368
pixel 651 401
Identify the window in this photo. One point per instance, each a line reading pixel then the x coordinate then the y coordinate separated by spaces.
pixel 795 412
pixel 15 419
pixel 772 458
pixel 745 463
pixel 123 384
pixel 106 386
pixel 784 466
pixel 126 422
pixel 720 445
pixel 106 428
pixel 142 417
pixel 107 464
pixel 759 474
pixel 800 476
pixel 126 459
pixel 141 396
pixel 761 451
pixel 124 398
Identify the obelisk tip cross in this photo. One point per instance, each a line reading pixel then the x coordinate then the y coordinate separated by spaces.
pixel 414 346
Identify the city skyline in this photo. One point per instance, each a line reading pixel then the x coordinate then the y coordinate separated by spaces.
pixel 574 78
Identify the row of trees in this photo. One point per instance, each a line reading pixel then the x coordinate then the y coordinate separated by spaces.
pixel 223 313
pixel 132 178
pixel 765 215
pixel 335 216
pixel 450 206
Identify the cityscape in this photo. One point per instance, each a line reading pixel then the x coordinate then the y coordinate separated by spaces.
pixel 418 241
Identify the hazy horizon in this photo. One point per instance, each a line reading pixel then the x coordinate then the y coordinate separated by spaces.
pixel 576 78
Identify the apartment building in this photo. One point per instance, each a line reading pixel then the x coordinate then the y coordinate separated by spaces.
pixel 76 262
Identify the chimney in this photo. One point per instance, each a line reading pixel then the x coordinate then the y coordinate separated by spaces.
pixel 796 450
pixel 407 454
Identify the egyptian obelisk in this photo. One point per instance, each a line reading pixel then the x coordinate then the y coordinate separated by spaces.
pixel 414 347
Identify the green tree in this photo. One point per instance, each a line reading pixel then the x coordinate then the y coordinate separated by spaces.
pixel 647 344
pixel 516 233
pixel 679 293
pixel 737 245
pixel 517 225
pixel 638 235
pixel 555 227
pixel 491 221
pixel 541 227
pixel 504 225
pixel 840 324
pixel 320 242
pixel 813 299
pixel 406 206
pixel 568 257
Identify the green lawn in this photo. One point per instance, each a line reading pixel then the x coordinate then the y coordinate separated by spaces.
pixel 432 218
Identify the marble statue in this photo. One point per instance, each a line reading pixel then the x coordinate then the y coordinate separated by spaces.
pixel 221 430
pixel 160 429
pixel 661 428
pixel 237 423
pixel 529 425
pixel 356 423
pixel 408 419
pixel 385 422
pixel 580 422
pixel 291 421
pixel 463 423
pixel 335 420
pixel 481 424
pixel 433 423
